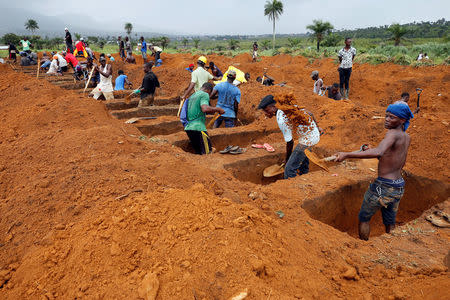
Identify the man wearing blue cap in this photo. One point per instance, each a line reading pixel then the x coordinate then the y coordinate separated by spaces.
pixel 387 190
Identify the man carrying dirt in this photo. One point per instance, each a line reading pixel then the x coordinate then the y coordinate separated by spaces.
pixel 346 56
pixel 229 98
pixel 197 109
pixel 309 135
pixel 148 87
pixel 387 190
pixel 105 86
pixel 199 77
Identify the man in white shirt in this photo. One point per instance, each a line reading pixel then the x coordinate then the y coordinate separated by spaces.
pixel 346 56
pixel 308 136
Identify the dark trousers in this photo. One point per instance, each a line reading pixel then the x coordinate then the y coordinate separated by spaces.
pixel 157 56
pixel 298 162
pixel 69 48
pixel 344 77
pixel 200 141
pixel 229 122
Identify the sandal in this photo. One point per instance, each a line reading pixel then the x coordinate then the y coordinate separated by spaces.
pixel 258 146
pixel 238 151
pixel 226 150
pixel 268 147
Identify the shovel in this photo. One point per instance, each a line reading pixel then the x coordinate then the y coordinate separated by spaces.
pixel 273 170
pixel 319 161
pixel 128 98
pixel 134 120
pixel 38 68
pixel 418 91
pixel 181 106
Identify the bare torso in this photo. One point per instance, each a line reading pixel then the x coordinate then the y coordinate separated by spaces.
pixel 393 160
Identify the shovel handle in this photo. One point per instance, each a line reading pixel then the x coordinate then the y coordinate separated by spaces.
pixel 89 80
pixel 211 123
pixel 179 108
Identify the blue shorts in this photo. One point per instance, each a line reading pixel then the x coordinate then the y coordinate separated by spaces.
pixel 382 194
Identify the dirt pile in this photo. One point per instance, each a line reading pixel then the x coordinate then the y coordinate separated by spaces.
pixel 196 231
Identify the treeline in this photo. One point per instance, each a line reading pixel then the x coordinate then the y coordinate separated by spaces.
pixel 437 29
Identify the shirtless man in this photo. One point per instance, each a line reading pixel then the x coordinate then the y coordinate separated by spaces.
pixel 387 190
pixel 404 100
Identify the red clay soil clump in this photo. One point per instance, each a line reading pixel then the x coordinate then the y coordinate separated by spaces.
pixel 190 229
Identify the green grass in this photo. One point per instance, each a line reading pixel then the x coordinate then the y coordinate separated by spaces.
pixel 373 51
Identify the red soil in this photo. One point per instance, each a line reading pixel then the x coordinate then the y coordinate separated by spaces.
pixel 194 231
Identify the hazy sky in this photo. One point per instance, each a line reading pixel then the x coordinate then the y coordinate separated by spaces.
pixel 242 16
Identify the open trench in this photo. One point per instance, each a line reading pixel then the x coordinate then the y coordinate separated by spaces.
pixel 338 208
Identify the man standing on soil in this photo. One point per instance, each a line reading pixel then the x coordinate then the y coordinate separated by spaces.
pixel 309 135
pixel 255 52
pixel 12 52
pixel 199 77
pixel 105 86
pixel 229 99
pixel 148 88
pixel 121 47
pixel 196 115
pixel 346 56
pixel 387 190
pixel 144 49
pixel 68 39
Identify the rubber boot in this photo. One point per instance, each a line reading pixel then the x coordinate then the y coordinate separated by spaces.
pixel 342 93
pixel 346 94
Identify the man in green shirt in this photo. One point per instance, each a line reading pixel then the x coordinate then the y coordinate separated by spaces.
pixel 196 114
pixel 25 45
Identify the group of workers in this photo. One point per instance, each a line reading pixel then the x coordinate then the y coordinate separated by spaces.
pixel 383 194
pixel 126 46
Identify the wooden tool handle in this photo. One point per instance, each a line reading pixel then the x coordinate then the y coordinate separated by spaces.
pixel 38 68
pixel 89 79
pixel 211 123
pixel 179 108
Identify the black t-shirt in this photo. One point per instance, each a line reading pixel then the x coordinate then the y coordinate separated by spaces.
pixel 149 83
pixel 121 45
pixel 336 96
pixel 68 38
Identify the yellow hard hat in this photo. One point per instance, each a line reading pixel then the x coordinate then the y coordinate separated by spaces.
pixel 202 59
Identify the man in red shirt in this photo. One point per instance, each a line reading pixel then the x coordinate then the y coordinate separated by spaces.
pixel 80 48
pixel 77 72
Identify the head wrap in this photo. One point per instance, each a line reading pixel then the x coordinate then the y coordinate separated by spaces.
pixel 266 101
pixel 402 111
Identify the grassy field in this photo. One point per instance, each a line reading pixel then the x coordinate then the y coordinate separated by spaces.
pixel 373 51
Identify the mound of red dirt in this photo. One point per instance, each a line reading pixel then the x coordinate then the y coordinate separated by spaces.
pixel 192 231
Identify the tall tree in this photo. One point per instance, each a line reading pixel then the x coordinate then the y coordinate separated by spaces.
pixel 196 43
pixel 31 25
pixel 185 42
pixel 273 10
pixel 164 41
pixel 128 28
pixel 320 29
pixel 397 32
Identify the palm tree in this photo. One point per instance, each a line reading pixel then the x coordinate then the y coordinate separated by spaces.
pixel 128 28
pixel 397 32
pixel 164 41
pixel 273 9
pixel 196 42
pixel 31 25
pixel 320 29
pixel 185 42
pixel 233 44
pixel 265 44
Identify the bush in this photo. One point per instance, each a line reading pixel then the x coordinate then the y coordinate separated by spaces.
pixel 11 38
pixel 332 40
pixel 373 59
pixel 401 59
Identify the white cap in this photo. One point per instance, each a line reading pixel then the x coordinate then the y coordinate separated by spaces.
pixel 81 39
pixel 66 29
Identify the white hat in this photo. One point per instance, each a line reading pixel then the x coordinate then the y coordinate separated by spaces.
pixel 81 39
pixel 66 29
